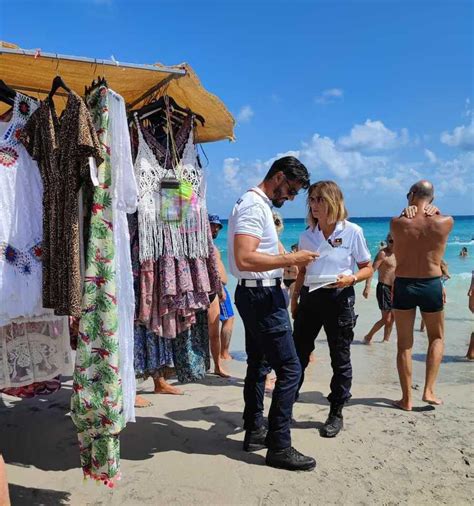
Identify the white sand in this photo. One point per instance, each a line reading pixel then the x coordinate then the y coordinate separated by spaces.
pixel 187 450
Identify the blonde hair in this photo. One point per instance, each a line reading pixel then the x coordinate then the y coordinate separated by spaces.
pixel 334 198
pixel 278 220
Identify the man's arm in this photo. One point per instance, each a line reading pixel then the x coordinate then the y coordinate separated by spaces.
pixel 220 267
pixel 248 259
pixel 380 257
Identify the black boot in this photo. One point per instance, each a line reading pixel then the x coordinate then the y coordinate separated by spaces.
pixel 254 440
pixel 289 459
pixel 335 422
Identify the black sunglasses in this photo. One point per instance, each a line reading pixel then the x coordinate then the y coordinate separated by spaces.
pixel 291 190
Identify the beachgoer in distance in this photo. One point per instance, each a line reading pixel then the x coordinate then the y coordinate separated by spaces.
pixel 226 315
pixel 290 273
pixel 254 259
pixel 470 294
pixel 463 253
pixel 213 312
pixel 385 264
pixel 343 247
pixel 419 246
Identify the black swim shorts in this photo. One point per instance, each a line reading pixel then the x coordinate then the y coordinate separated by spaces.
pixel 384 296
pixel 426 293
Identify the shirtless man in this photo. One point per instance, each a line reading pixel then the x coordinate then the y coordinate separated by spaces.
pixel 419 246
pixel 290 273
pixel 385 263
pixel 213 313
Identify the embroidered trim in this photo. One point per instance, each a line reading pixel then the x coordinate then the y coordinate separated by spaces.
pixel 24 261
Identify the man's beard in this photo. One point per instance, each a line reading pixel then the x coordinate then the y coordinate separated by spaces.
pixel 276 201
pixel 215 234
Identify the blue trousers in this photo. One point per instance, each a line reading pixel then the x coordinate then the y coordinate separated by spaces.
pixel 269 345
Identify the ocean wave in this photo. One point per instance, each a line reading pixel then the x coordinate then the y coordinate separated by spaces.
pixel 457 242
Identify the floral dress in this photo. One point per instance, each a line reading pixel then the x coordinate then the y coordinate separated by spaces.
pixel 96 403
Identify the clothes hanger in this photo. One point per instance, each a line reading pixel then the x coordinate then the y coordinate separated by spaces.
pixel 7 94
pixel 161 104
pixel 58 83
pixel 101 81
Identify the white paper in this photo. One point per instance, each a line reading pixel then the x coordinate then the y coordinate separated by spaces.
pixel 319 281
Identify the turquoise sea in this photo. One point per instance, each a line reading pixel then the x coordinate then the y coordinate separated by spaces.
pixel 376 229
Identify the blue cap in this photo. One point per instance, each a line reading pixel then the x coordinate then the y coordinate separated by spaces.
pixel 214 218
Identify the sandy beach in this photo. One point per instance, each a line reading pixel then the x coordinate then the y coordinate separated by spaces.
pixel 188 449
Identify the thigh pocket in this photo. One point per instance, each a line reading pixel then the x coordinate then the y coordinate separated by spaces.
pixel 272 315
pixel 347 318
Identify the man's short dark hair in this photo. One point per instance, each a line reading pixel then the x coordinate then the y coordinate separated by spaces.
pixel 292 168
pixel 423 189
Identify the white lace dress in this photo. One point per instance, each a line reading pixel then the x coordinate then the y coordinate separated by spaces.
pixel 21 192
pixel 124 199
pixel 34 344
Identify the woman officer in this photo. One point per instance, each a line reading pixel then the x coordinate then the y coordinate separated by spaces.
pixel 341 246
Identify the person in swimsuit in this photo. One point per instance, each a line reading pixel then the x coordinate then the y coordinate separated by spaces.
pixel 444 278
pixel 290 273
pixel 213 312
pixel 385 263
pixel 419 246
pixel 463 253
pixel 226 315
pixel 470 294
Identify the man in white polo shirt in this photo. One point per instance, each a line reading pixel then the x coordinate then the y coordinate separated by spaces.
pixel 254 259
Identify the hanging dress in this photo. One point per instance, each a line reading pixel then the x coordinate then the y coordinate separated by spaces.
pixel 96 402
pixel 62 147
pixel 34 343
pixel 20 220
pixel 124 200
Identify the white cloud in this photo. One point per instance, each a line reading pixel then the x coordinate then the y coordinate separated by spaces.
pixel 373 136
pixel 231 170
pixel 361 173
pixel 430 155
pixel 461 137
pixel 329 96
pixel 245 114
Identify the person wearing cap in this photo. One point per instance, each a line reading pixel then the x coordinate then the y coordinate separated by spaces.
pixel 254 259
pixel 324 293
pixel 226 315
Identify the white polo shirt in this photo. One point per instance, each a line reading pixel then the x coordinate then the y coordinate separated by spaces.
pixel 252 215
pixel 340 253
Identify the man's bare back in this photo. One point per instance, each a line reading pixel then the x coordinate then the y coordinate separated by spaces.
pixel 419 244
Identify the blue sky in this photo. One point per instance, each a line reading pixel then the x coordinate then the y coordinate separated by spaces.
pixel 372 94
